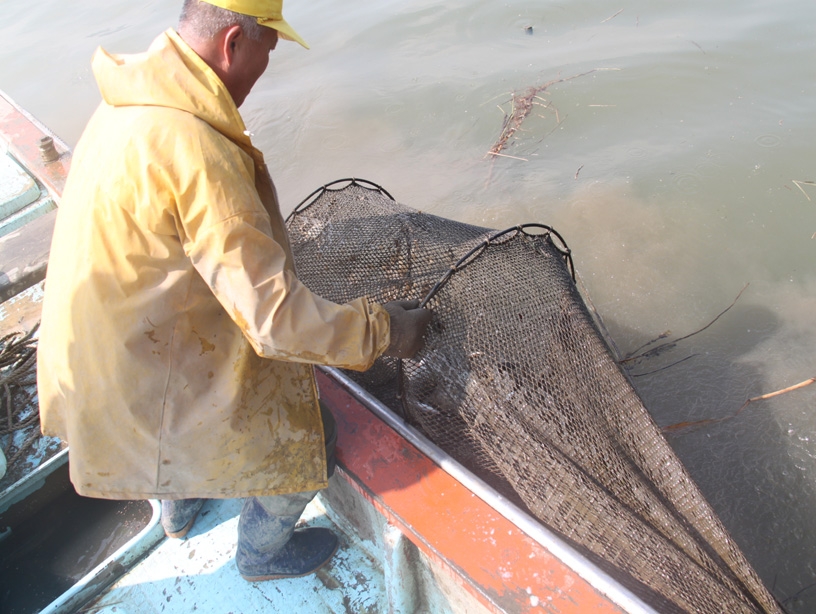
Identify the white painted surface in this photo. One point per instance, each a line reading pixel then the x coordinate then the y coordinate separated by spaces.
pixel 199 574
pixel 17 187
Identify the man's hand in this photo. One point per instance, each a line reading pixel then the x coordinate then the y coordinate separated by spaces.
pixel 408 324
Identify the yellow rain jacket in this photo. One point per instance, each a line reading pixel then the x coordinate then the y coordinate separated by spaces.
pixel 176 341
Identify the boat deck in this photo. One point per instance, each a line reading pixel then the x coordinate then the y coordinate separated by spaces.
pixel 198 574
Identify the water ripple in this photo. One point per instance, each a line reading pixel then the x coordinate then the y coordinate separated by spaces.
pixel 768 140
pixel 688 183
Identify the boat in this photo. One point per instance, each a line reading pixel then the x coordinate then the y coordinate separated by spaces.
pixel 418 531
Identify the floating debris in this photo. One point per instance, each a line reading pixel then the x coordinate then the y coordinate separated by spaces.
pixel 521 105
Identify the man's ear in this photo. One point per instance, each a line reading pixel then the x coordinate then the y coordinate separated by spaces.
pixel 229 41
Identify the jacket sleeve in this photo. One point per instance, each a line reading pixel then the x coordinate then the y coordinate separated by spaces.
pixel 282 319
pixel 228 235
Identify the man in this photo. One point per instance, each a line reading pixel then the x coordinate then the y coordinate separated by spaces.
pixel 176 342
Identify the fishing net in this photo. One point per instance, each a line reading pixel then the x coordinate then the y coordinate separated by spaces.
pixel 517 383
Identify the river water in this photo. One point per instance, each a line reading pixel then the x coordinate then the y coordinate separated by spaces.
pixel 673 157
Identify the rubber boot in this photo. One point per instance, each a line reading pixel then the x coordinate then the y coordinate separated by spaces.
pixel 269 547
pixel 177 517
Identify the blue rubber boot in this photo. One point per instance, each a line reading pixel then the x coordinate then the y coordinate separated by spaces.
pixel 177 517
pixel 269 546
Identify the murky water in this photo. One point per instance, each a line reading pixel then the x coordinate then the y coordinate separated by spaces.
pixel 671 169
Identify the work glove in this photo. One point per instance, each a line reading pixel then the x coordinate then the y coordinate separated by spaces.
pixel 408 324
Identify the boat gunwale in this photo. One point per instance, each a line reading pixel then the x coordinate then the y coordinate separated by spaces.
pixel 588 571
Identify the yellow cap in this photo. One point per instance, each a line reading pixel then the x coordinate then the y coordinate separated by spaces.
pixel 268 12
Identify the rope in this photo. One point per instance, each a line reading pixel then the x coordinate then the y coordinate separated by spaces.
pixel 18 374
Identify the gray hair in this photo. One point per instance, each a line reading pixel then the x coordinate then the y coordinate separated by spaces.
pixel 206 20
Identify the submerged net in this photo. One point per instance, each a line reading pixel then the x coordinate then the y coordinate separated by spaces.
pixel 517 384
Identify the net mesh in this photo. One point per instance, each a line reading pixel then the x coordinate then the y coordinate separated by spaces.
pixel 516 382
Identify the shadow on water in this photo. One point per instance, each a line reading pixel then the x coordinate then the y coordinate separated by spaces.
pixel 746 466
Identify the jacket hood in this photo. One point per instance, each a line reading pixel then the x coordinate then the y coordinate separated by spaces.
pixel 169 74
